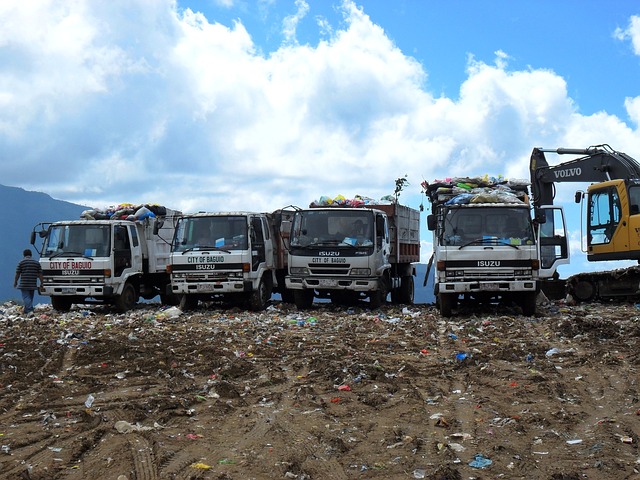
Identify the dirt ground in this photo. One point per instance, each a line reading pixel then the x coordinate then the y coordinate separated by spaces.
pixel 333 393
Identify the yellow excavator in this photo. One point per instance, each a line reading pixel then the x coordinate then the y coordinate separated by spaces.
pixel 612 204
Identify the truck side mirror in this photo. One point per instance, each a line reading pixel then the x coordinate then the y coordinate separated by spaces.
pixel 33 238
pixel 578 197
pixel 431 222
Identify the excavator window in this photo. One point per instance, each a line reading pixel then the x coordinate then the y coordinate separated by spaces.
pixel 604 215
pixel 634 200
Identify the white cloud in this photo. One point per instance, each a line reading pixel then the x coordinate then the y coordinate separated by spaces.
pixel 632 32
pixel 633 109
pixel 290 23
pixel 108 102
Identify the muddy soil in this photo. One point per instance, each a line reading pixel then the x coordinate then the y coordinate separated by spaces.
pixel 332 393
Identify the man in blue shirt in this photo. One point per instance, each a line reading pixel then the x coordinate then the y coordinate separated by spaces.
pixel 28 272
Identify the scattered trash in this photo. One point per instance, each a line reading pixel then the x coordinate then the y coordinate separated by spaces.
pixel 125 427
pixel 225 359
pixel 480 461
pixel 172 312
pixel 89 401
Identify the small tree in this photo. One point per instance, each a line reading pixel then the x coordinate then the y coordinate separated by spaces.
pixel 400 184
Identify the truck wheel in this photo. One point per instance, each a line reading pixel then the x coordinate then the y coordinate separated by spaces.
pixel 127 299
pixel 61 304
pixel 170 299
pixel 407 290
pixel 303 298
pixel 259 298
pixel 447 302
pixel 378 297
pixel 187 302
pixel 528 303
pixel 287 296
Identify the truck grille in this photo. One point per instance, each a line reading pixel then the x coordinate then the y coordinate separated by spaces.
pixel 343 269
pixel 498 275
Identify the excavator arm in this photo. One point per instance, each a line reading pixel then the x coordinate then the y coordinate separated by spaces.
pixel 599 163
pixel 612 209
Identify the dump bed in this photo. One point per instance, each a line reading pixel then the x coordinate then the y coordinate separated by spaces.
pixel 404 231
pixel 156 249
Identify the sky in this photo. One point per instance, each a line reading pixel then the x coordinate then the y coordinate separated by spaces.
pixel 222 105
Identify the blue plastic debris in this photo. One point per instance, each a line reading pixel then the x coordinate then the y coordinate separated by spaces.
pixel 480 461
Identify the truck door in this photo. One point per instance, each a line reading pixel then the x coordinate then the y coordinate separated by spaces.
pixel 552 241
pixel 382 232
pixel 136 248
pixel 258 247
pixel 269 240
pixel 121 250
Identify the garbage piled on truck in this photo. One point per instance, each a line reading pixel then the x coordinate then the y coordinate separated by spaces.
pixel 125 211
pixel 356 201
pixel 484 189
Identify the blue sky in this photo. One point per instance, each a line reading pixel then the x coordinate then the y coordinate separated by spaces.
pixel 259 104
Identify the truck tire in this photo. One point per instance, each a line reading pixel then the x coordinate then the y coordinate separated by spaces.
pixel 377 298
pixel 259 298
pixel 528 303
pixel 407 290
pixel 187 302
pixel 447 302
pixel 170 299
pixel 287 296
pixel 127 299
pixel 61 304
pixel 303 298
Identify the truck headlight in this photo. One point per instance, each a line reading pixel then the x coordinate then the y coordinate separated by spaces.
pixel 299 271
pixel 360 271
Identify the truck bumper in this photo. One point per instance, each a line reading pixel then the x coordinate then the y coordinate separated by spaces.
pixel 95 291
pixel 494 286
pixel 353 284
pixel 212 288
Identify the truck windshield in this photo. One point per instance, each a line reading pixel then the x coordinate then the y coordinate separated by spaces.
pixel 332 227
pixel 510 226
pixel 80 240
pixel 228 232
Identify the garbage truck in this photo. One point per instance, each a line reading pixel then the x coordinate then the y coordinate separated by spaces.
pixel 237 257
pixel 486 246
pixel 347 251
pixel 111 256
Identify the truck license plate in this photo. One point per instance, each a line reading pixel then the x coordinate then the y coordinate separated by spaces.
pixel 491 287
pixel 206 287
pixel 68 290
pixel 327 282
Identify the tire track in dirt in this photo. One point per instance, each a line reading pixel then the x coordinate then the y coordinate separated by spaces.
pixel 143 458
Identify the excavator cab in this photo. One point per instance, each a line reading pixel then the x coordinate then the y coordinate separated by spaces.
pixel 613 221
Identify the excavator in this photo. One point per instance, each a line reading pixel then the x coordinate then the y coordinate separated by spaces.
pixel 612 204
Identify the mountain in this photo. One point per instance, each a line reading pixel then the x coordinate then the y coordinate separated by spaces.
pixel 23 210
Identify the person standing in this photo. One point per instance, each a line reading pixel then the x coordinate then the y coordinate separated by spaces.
pixel 28 272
